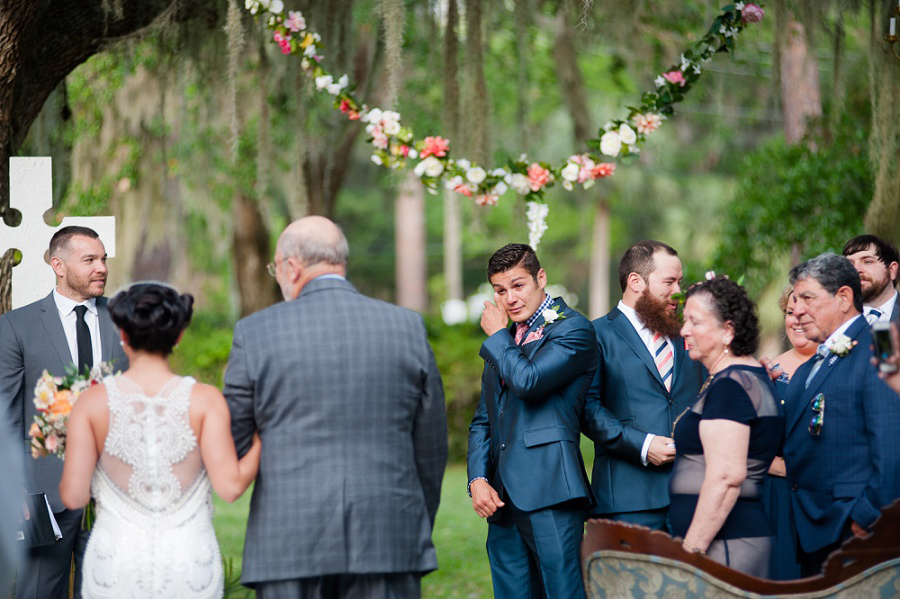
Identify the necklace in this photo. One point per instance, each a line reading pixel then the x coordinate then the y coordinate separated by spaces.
pixel 712 372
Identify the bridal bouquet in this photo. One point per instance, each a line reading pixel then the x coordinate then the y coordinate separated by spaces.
pixel 54 397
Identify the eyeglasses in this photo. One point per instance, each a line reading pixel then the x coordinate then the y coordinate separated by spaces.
pixel 818 406
pixel 272 267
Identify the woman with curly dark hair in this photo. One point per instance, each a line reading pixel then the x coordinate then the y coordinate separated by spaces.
pixel 725 442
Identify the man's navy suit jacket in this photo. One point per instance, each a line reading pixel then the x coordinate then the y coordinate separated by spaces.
pixel 852 468
pixel 627 400
pixel 524 437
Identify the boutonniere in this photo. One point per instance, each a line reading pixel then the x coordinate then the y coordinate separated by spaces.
pixel 551 315
pixel 840 345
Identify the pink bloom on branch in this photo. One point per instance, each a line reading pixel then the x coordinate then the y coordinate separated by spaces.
pixel 295 21
pixel 538 176
pixel 604 169
pixel 488 199
pixel 435 146
pixel 464 189
pixel 675 77
pixel 647 123
pixel 752 13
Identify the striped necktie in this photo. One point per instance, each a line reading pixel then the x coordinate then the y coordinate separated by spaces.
pixel 873 315
pixel 662 355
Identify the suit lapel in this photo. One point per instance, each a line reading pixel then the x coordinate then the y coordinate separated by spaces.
pixel 828 366
pixel 625 329
pixel 107 330
pixel 53 327
pixel 529 349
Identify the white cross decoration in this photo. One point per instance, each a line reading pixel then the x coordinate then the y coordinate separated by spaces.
pixel 31 193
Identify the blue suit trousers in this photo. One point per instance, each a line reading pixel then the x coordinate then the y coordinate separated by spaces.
pixel 536 555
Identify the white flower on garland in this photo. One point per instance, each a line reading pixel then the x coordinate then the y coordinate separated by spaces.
pixel 377 159
pixel 685 63
pixel 520 183
pixel 610 143
pixel 739 5
pixel 627 134
pixel 537 222
pixel 452 183
pixel 463 164
pixel 476 175
pixel 430 167
pixel 323 82
pixel 500 188
pixel 338 86
pixel 570 172
pixel 659 81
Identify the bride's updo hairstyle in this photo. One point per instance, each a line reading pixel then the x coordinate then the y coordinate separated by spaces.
pixel 152 315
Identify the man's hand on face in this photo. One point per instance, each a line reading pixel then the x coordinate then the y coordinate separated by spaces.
pixel 493 318
pixel 485 499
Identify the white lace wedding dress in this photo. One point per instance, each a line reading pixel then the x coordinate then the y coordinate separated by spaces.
pixel 153 534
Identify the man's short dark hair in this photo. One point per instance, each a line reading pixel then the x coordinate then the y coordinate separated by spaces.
pixel 639 259
pixel 831 272
pixel 512 255
pixel 884 249
pixel 61 238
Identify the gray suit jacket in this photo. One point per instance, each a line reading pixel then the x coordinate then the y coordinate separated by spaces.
pixel 32 339
pixel 346 396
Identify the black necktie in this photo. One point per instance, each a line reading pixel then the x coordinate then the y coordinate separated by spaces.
pixel 83 341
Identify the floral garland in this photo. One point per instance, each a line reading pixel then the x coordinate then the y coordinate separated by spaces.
pixel 394 144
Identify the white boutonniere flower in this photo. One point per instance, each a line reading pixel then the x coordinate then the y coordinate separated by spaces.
pixel 840 345
pixel 551 315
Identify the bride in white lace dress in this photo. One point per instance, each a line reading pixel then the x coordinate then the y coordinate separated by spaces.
pixel 147 444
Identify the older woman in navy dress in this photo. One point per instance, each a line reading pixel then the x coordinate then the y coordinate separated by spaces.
pixel 726 441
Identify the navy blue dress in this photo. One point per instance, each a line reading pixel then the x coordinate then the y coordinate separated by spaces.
pixel 777 503
pixel 743 394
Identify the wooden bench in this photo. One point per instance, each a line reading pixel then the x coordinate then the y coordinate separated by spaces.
pixel 623 560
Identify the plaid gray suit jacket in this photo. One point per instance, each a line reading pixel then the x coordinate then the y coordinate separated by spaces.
pixel 32 339
pixel 347 399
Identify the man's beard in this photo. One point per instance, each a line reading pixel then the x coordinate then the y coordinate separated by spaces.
pixel 876 288
pixel 655 314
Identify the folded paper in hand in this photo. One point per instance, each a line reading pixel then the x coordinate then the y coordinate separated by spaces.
pixel 39 527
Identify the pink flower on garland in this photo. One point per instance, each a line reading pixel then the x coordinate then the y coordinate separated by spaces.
pixel 538 176
pixel 284 42
pixel 647 123
pixel 487 199
pixel 464 189
pixel 295 21
pixel 675 77
pixel 752 13
pixel 348 110
pixel 604 169
pixel 435 146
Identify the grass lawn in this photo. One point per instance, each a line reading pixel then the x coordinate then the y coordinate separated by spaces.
pixel 459 536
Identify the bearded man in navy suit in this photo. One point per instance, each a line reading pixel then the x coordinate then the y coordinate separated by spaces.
pixel 526 473
pixel 644 381
pixel 841 449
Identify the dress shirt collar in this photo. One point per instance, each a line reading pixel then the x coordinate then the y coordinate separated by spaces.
pixel 548 301
pixel 66 305
pixel 840 330
pixel 331 276
pixel 886 309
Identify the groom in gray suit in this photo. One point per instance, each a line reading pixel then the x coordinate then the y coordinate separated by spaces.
pixel 347 399
pixel 69 327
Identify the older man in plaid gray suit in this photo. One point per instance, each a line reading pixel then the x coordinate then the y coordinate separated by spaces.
pixel 346 396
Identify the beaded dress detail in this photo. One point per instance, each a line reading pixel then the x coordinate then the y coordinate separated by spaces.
pixel 153 534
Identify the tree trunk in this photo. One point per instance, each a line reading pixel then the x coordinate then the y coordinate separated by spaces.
pixel 883 216
pixel 599 274
pixel 800 95
pixel 251 253
pixel 453 263
pixel 410 244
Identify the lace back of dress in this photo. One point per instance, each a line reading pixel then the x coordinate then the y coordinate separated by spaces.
pixel 151 454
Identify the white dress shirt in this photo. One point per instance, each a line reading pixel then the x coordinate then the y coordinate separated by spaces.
pixel 886 309
pixel 66 308
pixel 646 336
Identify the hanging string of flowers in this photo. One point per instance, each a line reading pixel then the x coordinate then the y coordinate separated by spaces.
pixel 395 145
